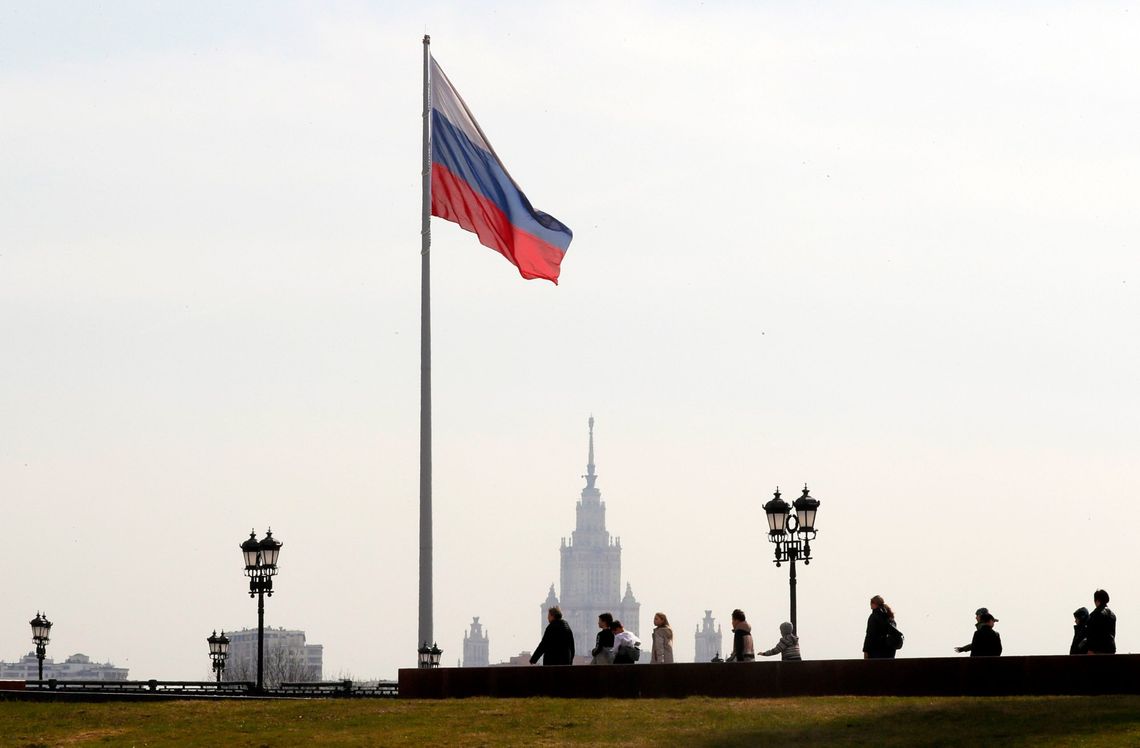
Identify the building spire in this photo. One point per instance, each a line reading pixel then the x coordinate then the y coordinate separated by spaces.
pixel 590 475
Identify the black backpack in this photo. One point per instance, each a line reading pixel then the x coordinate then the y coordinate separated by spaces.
pixel 895 637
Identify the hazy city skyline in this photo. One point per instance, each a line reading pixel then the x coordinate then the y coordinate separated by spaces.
pixel 887 250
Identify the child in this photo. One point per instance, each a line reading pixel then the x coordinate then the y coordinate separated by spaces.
pixel 788 647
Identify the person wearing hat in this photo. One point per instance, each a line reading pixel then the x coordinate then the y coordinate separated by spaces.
pixel 977 625
pixel 987 642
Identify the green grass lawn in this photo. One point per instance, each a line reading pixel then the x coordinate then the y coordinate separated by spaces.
pixel 829 721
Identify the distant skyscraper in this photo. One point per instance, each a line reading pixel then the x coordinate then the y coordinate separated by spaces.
pixel 709 640
pixel 476 646
pixel 591 570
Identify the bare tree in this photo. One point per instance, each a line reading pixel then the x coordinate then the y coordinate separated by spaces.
pixel 282 665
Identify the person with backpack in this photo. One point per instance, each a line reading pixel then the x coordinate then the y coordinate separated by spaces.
pixel 883 638
pixel 788 647
pixel 1101 626
pixel 627 647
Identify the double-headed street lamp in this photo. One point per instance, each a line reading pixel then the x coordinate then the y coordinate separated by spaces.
pixel 261 567
pixel 429 656
pixel 219 650
pixel 41 635
pixel 792 534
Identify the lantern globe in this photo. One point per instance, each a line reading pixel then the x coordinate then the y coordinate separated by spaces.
pixel 250 550
pixel 777 511
pixel 806 508
pixel 41 629
pixel 435 653
pixel 270 550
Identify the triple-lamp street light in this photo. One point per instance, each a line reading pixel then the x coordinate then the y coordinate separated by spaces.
pixel 261 567
pixel 41 635
pixel 219 650
pixel 792 534
pixel 429 656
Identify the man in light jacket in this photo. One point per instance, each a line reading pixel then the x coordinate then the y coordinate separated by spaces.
pixel 624 643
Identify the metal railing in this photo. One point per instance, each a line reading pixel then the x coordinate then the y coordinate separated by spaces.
pixel 313 689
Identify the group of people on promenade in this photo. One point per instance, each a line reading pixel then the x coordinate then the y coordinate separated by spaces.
pixel 1093 633
pixel 616 646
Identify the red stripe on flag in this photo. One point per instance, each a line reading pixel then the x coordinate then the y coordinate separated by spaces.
pixel 452 199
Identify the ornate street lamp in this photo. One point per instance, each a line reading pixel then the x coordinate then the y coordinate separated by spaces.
pixel 436 653
pixel 261 566
pixel 429 656
pixel 41 635
pixel 792 535
pixel 219 650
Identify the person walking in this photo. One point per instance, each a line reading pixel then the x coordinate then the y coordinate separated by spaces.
pixel 877 642
pixel 557 645
pixel 627 647
pixel 986 642
pixel 1101 626
pixel 1080 645
pixel 977 625
pixel 603 650
pixel 662 641
pixel 788 647
pixel 742 649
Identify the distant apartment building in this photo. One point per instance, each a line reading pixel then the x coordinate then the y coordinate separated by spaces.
pixel 476 646
pixel 288 658
pixel 76 667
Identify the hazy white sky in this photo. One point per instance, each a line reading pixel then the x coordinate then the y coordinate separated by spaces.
pixel 887 249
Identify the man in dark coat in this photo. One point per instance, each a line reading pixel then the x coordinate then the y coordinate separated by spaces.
pixel 1080 645
pixel 987 642
pixel 557 645
pixel 977 625
pixel 1101 626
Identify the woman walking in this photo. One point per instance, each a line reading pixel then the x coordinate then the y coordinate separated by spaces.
pixel 662 640
pixel 877 643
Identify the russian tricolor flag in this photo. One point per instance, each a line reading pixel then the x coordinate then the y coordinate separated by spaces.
pixel 470 186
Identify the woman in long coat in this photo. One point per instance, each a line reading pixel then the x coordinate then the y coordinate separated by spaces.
pixel 876 644
pixel 662 640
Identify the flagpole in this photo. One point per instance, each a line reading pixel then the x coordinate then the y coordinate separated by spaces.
pixel 425 630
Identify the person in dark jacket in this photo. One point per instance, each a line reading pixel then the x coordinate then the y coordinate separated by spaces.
pixel 876 644
pixel 557 645
pixel 977 625
pixel 1080 645
pixel 1102 626
pixel 987 642
pixel 603 650
pixel 742 647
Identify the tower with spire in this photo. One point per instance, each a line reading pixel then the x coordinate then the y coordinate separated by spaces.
pixel 476 646
pixel 590 578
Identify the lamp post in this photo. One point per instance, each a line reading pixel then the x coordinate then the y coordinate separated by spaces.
pixel 41 635
pixel 792 535
pixel 429 656
pixel 261 566
pixel 219 650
